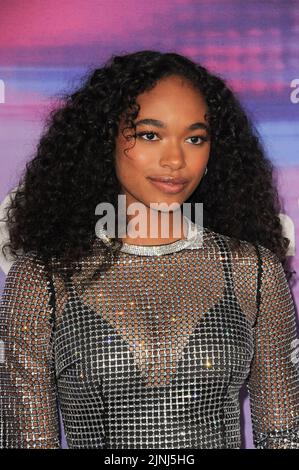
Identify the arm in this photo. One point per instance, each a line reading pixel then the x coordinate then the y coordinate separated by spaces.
pixel 29 415
pixel 273 382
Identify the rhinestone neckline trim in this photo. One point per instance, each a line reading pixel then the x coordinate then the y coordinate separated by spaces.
pixel 193 240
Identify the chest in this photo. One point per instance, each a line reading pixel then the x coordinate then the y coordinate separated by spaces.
pixel 155 338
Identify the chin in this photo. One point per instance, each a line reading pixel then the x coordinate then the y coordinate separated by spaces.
pixel 167 209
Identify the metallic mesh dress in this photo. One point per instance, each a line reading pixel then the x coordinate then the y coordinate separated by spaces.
pixel 153 351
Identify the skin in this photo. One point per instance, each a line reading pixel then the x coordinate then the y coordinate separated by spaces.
pixel 172 150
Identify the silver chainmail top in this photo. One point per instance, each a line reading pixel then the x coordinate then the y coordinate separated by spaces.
pixel 153 352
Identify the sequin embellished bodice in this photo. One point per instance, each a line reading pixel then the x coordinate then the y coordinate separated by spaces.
pixel 153 352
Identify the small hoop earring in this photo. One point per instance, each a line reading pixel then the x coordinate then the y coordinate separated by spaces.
pixel 206 171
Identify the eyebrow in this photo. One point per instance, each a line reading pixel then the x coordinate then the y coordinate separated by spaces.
pixel 158 123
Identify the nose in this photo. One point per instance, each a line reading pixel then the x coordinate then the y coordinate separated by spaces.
pixel 173 156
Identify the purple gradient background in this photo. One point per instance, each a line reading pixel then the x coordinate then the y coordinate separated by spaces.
pixel 45 48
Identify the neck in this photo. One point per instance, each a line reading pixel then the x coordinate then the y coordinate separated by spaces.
pixel 157 228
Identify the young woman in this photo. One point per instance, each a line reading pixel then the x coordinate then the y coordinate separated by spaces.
pixel 143 340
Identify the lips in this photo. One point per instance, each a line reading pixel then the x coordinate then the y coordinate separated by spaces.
pixel 169 179
pixel 168 186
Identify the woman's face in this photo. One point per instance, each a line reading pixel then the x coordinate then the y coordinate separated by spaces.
pixel 166 148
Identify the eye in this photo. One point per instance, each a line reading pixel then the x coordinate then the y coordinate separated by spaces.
pixel 152 133
pixel 142 134
pixel 201 137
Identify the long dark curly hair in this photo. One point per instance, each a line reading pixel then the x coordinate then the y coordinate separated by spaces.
pixel 53 211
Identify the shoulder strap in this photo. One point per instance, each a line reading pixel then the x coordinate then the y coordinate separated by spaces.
pixel 259 280
pixel 225 256
pixel 52 298
pixel 52 302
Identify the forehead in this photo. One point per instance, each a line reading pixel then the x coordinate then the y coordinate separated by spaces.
pixel 172 93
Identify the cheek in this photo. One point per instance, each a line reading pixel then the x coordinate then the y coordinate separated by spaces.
pixel 129 167
pixel 197 167
pixel 199 163
pixel 133 160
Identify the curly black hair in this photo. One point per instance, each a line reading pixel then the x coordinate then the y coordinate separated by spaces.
pixel 53 211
